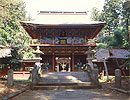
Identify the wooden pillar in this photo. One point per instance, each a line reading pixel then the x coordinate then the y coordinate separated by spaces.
pixel 72 61
pixel 85 40
pixel 23 67
pixel 53 62
pixel 86 58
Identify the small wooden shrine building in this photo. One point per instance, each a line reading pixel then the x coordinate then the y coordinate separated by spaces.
pixel 114 59
pixel 4 54
pixel 64 37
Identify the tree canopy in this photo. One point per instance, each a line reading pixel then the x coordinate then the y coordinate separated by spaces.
pixel 116 15
pixel 12 34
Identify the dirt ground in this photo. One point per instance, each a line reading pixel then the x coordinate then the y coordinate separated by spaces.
pixel 88 94
pixel 6 90
pixel 18 85
pixel 77 94
pixel 125 83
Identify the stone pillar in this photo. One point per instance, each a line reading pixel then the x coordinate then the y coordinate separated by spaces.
pixel 10 77
pixel 118 78
pixel 58 67
pixel 69 68
pixel 35 77
pixel 90 56
pixel 38 58
pixel 95 76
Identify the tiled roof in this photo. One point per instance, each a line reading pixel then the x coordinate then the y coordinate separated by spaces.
pixel 5 52
pixel 45 17
pixel 112 53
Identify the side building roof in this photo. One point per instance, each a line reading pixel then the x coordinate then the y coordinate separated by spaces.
pixel 5 52
pixel 112 54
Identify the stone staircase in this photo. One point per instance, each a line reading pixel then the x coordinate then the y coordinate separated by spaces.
pixel 65 80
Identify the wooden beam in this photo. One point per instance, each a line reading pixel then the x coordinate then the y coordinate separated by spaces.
pixel 96 31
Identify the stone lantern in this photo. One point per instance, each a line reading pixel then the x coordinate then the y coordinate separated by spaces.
pixel 37 67
pixel 94 69
pixel 37 55
pixel 90 57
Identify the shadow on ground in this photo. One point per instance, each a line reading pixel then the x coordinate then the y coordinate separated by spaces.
pixel 91 94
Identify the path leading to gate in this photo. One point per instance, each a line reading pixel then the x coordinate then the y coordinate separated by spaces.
pixel 69 94
pixel 90 94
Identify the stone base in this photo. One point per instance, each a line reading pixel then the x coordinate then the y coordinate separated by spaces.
pixel 65 80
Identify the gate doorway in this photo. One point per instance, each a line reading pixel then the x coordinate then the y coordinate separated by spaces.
pixel 63 64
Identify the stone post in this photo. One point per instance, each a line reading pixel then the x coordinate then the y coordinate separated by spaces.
pixel 90 57
pixel 95 76
pixel 38 58
pixel 118 78
pixel 35 77
pixel 10 77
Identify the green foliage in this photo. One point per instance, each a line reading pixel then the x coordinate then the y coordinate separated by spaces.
pixel 116 15
pixel 116 32
pixel 117 39
pixel 111 14
pixel 12 34
pixel 101 45
pixel 126 21
pixel 95 14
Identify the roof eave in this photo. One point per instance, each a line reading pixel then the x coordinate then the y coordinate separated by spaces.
pixel 71 24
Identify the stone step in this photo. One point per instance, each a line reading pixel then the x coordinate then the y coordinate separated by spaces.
pixel 65 77
pixel 63 81
pixel 65 87
pixel 63 84
pixel 78 74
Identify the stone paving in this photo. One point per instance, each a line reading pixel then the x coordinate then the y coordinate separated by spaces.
pixel 65 77
pixel 91 94
pixel 88 94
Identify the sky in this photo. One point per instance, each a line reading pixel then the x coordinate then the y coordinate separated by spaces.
pixel 33 6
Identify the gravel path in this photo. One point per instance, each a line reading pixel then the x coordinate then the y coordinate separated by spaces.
pixel 91 94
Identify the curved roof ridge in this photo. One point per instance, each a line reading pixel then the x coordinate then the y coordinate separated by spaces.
pixel 63 12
